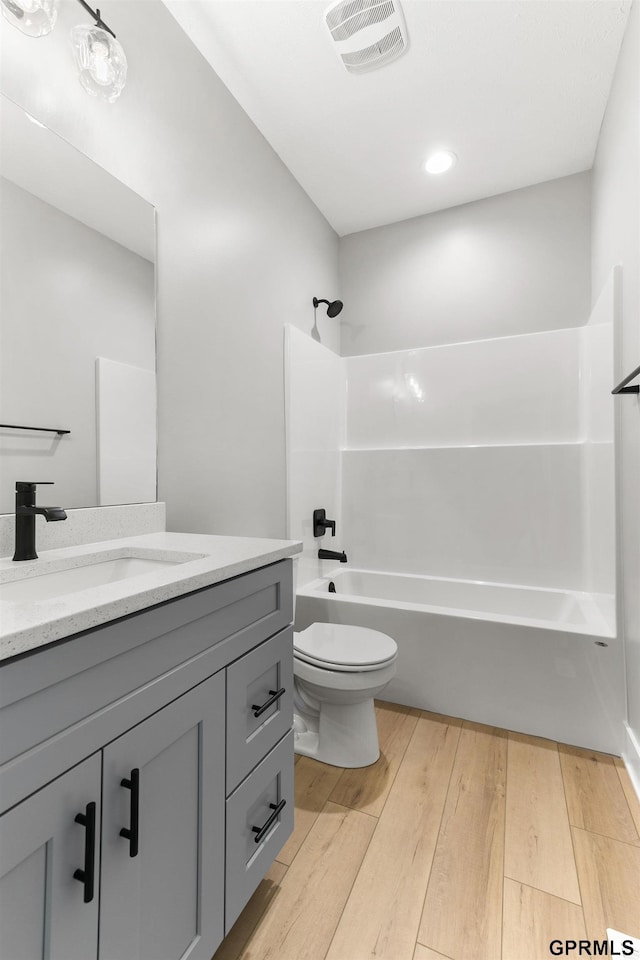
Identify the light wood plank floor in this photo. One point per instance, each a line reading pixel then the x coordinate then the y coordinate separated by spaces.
pixel 463 842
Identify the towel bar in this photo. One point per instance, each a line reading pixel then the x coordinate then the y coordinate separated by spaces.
pixel 622 386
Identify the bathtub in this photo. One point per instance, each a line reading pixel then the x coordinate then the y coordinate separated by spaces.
pixel 534 660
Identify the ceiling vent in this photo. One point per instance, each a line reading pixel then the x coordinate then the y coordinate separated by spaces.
pixel 367 34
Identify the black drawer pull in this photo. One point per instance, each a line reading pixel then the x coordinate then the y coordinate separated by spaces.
pixel 261 831
pixel 86 876
pixel 274 695
pixel 132 832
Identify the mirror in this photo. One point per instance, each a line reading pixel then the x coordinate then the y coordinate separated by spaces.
pixel 77 324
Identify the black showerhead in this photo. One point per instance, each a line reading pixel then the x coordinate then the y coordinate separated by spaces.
pixel 333 308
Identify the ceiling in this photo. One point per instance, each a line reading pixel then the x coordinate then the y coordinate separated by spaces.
pixel 516 88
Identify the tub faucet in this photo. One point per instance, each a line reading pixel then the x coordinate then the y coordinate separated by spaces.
pixel 26 512
pixel 320 523
pixel 332 555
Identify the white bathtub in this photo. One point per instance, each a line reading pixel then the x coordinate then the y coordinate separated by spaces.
pixel 539 661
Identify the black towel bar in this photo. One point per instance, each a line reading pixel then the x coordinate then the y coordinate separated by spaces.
pixel 622 386
pixel 14 426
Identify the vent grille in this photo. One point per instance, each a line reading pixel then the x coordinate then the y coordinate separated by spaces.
pixel 366 34
pixel 375 14
pixel 337 14
pixel 376 55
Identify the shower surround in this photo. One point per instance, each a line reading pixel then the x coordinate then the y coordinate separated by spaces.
pixel 469 469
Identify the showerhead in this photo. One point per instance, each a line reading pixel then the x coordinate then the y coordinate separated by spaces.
pixel 333 307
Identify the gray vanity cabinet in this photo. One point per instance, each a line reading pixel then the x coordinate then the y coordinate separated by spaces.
pixel 168 899
pixel 42 908
pixel 148 725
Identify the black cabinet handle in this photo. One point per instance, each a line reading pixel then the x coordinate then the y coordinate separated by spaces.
pixel 274 695
pixel 132 832
pixel 261 831
pixel 86 876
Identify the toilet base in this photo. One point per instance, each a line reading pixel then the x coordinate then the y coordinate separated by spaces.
pixel 341 734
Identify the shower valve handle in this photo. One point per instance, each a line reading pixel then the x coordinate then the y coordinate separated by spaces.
pixel 320 523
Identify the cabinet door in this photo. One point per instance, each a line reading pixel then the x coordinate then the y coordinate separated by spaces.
pixel 43 912
pixel 166 900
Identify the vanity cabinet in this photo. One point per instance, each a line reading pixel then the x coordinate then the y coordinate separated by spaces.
pixel 187 776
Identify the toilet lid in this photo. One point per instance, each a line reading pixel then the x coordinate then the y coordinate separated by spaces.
pixel 336 644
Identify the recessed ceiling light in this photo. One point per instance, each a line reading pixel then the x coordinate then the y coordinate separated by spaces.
pixel 440 162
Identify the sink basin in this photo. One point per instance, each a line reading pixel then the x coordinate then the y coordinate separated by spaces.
pixel 97 573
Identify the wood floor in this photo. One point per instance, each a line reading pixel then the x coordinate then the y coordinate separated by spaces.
pixel 463 842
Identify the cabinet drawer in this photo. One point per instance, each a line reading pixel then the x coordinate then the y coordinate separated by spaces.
pixel 252 682
pixel 250 807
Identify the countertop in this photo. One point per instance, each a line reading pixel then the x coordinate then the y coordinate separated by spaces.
pixel 25 626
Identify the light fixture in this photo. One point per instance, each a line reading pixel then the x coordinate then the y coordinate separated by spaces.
pixel 34 18
pixel 99 57
pixel 440 161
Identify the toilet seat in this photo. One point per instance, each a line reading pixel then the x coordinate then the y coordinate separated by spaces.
pixel 342 648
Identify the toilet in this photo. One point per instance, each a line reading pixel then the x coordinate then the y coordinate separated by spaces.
pixel 338 670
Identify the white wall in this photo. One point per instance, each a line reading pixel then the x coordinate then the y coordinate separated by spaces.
pixel 315 398
pixel 510 264
pixel 241 251
pixel 505 390
pixel 485 460
pixel 509 514
pixel 489 460
pixel 616 217
pixel 597 408
pixel 69 295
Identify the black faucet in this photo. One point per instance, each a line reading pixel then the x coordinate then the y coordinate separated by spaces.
pixel 332 555
pixel 320 523
pixel 26 512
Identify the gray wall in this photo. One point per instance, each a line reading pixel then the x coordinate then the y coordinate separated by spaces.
pixel 241 251
pixel 616 212
pixel 69 295
pixel 515 263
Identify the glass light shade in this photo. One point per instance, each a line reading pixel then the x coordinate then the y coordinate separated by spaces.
pixel 35 18
pixel 101 63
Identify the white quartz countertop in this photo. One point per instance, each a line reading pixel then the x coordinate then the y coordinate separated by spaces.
pixel 27 625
